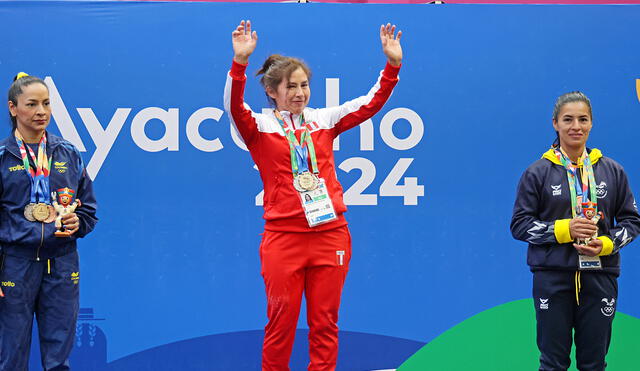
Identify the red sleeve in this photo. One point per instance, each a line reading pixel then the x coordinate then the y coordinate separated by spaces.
pixel 239 114
pixel 380 94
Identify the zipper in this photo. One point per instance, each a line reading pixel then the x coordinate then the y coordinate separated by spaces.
pixel 41 243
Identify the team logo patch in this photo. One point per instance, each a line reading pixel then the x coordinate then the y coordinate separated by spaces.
pixel 608 308
pixel 60 166
pixel 557 189
pixel 544 303
pixel 75 277
pixel 601 190
pixel 16 168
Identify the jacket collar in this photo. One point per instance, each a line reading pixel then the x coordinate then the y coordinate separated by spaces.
pixel 10 144
pixel 594 156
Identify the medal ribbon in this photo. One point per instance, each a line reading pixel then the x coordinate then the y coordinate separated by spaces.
pixel 299 152
pixel 579 192
pixel 40 176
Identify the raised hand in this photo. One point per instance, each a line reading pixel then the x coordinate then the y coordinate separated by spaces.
pixel 244 42
pixel 391 44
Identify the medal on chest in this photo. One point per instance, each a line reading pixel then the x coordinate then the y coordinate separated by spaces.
pixel 39 207
pixel 582 187
pixel 314 195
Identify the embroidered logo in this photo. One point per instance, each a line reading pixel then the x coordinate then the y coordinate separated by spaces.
pixel 557 189
pixel 601 190
pixel 607 308
pixel 544 303
pixel 8 284
pixel 75 277
pixel 16 168
pixel 340 255
pixel 60 166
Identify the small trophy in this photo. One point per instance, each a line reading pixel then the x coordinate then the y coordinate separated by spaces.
pixel 589 212
pixel 64 207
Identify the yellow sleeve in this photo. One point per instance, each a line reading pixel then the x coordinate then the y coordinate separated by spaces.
pixel 607 246
pixel 561 230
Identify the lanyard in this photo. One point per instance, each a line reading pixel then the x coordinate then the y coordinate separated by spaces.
pixel 580 193
pixel 39 177
pixel 299 152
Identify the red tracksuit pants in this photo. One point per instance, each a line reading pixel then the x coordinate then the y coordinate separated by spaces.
pixel 315 263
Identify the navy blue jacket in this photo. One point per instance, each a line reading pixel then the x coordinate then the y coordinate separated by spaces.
pixel 36 240
pixel 542 212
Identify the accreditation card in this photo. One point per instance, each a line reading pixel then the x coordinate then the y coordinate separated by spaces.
pixel 317 205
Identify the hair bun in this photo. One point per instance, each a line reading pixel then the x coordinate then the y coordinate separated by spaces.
pixel 20 75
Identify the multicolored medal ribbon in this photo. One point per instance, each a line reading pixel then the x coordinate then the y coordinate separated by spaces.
pixel 303 179
pixel 584 193
pixel 39 207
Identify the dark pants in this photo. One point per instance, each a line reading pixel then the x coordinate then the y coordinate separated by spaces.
pixel 50 290
pixel 589 315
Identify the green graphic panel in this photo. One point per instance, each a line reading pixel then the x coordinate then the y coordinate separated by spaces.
pixel 503 339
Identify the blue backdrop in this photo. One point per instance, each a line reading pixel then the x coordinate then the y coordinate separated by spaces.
pixel 173 262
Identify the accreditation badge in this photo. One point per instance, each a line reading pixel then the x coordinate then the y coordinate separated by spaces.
pixel 586 262
pixel 317 205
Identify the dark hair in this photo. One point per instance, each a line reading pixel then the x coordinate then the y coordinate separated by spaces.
pixel 278 67
pixel 571 97
pixel 15 90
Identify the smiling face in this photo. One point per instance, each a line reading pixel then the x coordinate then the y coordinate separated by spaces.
pixel 32 111
pixel 573 125
pixel 293 93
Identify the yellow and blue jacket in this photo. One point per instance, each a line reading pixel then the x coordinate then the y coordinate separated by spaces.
pixel 542 212
pixel 36 240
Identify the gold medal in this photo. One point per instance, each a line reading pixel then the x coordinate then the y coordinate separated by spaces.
pixel 41 212
pixel 28 212
pixel 306 181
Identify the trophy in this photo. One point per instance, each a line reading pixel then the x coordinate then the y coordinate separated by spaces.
pixel 589 212
pixel 63 207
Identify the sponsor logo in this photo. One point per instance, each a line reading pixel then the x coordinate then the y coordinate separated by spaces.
pixel 60 166
pixel 16 168
pixel 75 277
pixel 544 303
pixel 8 284
pixel 608 308
pixel 340 255
pixel 557 189
pixel 601 190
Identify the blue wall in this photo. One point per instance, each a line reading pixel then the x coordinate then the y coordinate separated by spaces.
pixel 175 254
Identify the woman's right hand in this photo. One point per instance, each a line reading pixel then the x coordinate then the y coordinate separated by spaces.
pixel 244 42
pixel 582 228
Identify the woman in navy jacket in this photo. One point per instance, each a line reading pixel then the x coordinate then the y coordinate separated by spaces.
pixel 575 208
pixel 39 272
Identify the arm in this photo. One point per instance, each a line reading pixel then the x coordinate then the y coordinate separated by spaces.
pixel 626 216
pixel 244 43
pixel 86 213
pixel 354 112
pixel 525 225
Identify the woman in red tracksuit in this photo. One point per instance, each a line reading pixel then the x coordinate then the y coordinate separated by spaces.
pixel 306 245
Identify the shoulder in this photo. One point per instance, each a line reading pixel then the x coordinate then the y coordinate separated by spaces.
pixel 609 162
pixel 540 165
pixel 60 142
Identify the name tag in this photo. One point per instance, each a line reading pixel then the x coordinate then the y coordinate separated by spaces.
pixel 589 262
pixel 317 205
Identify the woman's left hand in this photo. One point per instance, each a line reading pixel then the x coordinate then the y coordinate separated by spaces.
pixel 71 222
pixel 592 249
pixel 391 44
